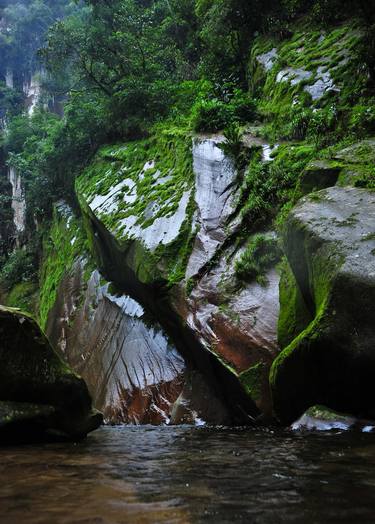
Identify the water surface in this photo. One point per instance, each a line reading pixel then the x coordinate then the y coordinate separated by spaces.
pixel 183 475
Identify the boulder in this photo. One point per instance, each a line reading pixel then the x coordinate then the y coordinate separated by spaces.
pixel 184 274
pixel 319 174
pixel 330 357
pixel 320 418
pixel 39 394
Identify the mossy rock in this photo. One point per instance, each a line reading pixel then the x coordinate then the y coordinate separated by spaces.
pixel 31 373
pixel 304 82
pixel 362 152
pixel 319 174
pixel 141 195
pixel 330 246
pixel 321 418
pixel 23 295
pixel 294 316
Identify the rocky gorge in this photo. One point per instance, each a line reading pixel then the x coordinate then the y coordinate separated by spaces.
pixel 209 273
pixel 206 347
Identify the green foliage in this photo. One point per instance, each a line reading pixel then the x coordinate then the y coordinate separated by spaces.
pixel 234 148
pixel 269 187
pixel 217 113
pixel 21 266
pixel 27 22
pixel 23 296
pixel 64 244
pixel 50 151
pixel 131 52
pixel 261 253
pixel 6 216
pixel 210 116
pixel 11 101
pixel 362 119
pixel 227 29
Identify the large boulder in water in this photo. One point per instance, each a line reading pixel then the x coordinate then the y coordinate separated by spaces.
pixel 327 321
pixel 39 394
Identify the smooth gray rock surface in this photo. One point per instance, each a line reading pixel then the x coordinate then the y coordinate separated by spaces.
pixel 215 187
pixel 330 246
pixel 320 418
pixel 267 59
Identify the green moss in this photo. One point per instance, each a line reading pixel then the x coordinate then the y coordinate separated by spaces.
pixel 157 170
pixel 269 190
pixel 294 315
pixel 252 380
pixel 150 178
pixel 289 109
pixel 64 244
pixel 261 253
pixel 305 294
pixel 23 296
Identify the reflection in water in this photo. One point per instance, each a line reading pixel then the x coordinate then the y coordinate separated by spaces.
pixel 179 475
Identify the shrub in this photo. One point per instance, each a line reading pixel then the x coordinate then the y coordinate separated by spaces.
pixel 233 146
pixel 214 114
pixel 242 107
pixel 261 253
pixel 299 123
pixel 210 115
pixel 21 266
pixel 322 123
pixel 362 121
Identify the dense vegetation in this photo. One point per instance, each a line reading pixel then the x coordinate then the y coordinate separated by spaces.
pixel 121 67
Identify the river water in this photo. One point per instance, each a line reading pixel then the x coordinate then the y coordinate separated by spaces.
pixel 179 475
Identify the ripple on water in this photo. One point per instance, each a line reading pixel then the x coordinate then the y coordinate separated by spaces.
pixel 184 475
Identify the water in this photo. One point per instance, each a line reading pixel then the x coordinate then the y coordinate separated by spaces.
pixel 188 475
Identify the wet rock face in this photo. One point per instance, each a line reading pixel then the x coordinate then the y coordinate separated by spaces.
pixel 215 178
pixel 197 404
pixel 39 394
pixel 238 325
pixel 330 245
pixel 132 370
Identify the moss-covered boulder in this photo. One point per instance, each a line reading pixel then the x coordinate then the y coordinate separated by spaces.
pixel 357 164
pixel 309 83
pixel 320 418
pixel 319 174
pixel 327 306
pixel 141 193
pixel 39 394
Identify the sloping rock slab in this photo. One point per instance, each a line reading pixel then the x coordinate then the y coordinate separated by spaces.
pixel 330 246
pixel 133 372
pixel 39 394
